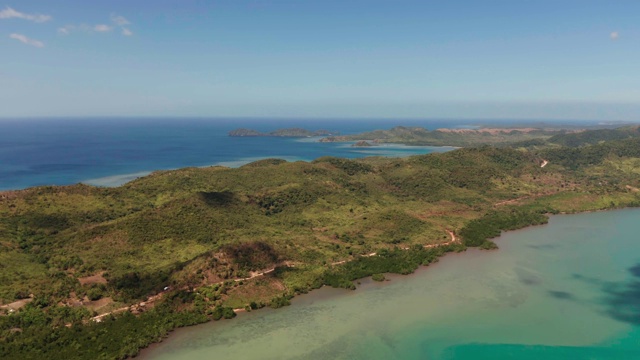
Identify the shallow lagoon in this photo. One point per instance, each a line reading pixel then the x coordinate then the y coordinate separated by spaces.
pixel 569 289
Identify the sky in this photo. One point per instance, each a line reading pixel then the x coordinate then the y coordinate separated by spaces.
pixel 511 59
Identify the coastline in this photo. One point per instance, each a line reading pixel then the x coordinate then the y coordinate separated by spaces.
pixel 121 179
pixel 326 292
pixel 488 218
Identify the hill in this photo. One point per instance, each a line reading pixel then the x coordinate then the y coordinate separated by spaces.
pixel 450 137
pixel 186 246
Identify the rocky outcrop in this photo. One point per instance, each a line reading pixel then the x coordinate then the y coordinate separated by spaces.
pixel 362 143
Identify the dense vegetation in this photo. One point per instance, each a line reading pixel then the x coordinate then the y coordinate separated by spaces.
pixel 595 136
pixel 447 137
pixel 186 246
pixel 515 137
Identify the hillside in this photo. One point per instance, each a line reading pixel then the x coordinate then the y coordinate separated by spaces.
pixel 595 136
pixel 186 246
pixel 451 137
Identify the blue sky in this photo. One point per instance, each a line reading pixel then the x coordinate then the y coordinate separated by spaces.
pixel 560 59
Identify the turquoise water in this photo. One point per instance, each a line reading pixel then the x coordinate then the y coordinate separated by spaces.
pixel 566 290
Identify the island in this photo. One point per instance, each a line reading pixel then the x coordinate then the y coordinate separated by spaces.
pixel 91 272
pixel 498 136
pixel 289 132
pixel 362 143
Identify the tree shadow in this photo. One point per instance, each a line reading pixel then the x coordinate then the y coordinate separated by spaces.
pixel 217 198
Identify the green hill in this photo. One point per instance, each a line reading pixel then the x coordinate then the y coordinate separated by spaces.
pixel 186 246
pixel 450 137
pixel 578 139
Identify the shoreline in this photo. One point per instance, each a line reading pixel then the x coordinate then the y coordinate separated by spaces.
pixel 366 283
pixel 117 180
pixel 490 224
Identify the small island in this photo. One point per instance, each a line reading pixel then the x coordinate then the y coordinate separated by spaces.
pixel 288 132
pixel 362 143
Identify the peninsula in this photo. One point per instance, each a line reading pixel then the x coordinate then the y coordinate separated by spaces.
pixel 453 137
pixel 93 272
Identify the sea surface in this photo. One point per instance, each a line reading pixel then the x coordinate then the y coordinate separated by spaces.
pixel 566 290
pixel 112 151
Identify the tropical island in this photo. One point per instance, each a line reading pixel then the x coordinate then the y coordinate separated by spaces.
pixel 499 136
pixel 92 272
pixel 289 132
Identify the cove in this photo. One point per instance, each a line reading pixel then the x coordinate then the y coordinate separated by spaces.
pixel 566 290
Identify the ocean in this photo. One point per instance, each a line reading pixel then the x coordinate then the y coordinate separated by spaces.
pixel 566 290
pixel 112 151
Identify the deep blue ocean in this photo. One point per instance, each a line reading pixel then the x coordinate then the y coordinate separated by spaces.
pixel 111 151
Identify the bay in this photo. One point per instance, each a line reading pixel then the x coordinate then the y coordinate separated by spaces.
pixel 566 290
pixel 112 151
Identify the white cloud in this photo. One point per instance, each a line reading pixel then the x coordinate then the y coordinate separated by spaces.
pixel 614 35
pixel 66 30
pixel 119 20
pixel 102 28
pixel 26 40
pixel 9 13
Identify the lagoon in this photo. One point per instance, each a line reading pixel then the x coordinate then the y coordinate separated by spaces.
pixel 566 290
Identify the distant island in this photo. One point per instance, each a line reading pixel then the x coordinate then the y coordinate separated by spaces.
pixel 362 143
pixel 289 132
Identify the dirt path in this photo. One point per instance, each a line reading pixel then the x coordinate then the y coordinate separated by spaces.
pixel 534 196
pixel 156 297
pixel 429 246
pixel 453 240
pixel 253 275
pixel 16 305
pixel 116 311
